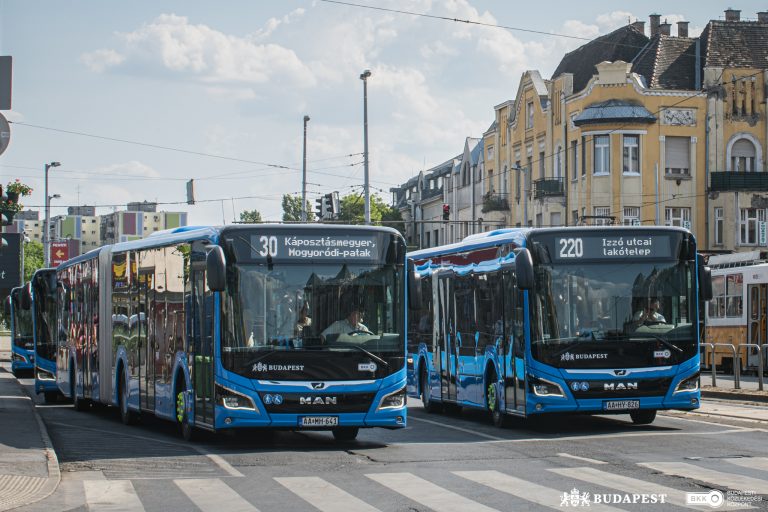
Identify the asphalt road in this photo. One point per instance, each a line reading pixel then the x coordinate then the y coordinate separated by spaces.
pixel 446 462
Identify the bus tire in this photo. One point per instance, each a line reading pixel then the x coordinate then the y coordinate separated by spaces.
pixel 51 397
pixel 429 405
pixel 77 403
pixel 127 416
pixel 493 403
pixel 345 433
pixel 188 432
pixel 643 416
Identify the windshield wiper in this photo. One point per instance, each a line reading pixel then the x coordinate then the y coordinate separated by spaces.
pixel 663 342
pixel 361 349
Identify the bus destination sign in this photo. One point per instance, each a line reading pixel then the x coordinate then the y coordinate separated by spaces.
pixel 606 247
pixel 305 246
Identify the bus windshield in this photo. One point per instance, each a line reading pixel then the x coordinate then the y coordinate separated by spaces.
pixel 614 314
pixel 300 310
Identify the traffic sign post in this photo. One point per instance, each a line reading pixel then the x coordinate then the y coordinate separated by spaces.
pixel 59 253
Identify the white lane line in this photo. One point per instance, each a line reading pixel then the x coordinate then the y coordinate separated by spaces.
pixel 524 489
pixel 213 495
pixel 459 429
pixel 583 459
pixel 219 461
pixel 626 484
pixel 427 493
pixel 760 463
pixel 111 496
pixel 718 479
pixel 323 495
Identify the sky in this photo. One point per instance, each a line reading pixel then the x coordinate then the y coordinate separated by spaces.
pixel 135 98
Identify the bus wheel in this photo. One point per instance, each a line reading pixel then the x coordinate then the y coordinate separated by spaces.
pixel 79 404
pixel 429 405
pixel 643 417
pixel 493 402
pixel 182 417
pixel 126 415
pixel 51 397
pixel 345 433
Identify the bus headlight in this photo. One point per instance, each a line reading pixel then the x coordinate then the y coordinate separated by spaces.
pixel 394 400
pixel 41 374
pixel 233 400
pixel 544 387
pixel 689 384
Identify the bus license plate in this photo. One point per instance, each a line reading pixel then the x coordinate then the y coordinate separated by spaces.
pixel 319 421
pixel 621 405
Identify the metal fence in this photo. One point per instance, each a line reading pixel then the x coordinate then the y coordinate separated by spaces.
pixel 736 351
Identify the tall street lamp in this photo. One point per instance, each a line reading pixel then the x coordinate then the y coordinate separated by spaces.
pixel 364 77
pixel 304 176
pixel 46 237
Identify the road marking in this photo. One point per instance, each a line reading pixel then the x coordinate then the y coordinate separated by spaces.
pixel 524 489
pixel 323 495
pixel 427 493
pixel 625 484
pixel 760 463
pixel 718 479
pixel 585 459
pixel 213 495
pixel 459 429
pixel 219 461
pixel 111 496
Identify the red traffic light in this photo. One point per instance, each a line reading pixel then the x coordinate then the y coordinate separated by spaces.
pixel 446 211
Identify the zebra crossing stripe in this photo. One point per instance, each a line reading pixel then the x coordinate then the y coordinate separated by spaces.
pixel 111 496
pixel 323 495
pixel 626 484
pixel 718 479
pixel 760 463
pixel 427 493
pixel 524 489
pixel 211 494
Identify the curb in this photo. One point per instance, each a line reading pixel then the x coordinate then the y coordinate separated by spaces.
pixel 736 396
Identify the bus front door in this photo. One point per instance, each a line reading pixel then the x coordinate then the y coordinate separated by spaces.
pixel 202 338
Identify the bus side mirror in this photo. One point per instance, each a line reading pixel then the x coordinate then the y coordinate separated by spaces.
pixel 705 283
pixel 524 269
pixel 414 287
pixel 216 269
pixel 26 296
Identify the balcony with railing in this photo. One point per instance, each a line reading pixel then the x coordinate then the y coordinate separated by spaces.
pixel 493 202
pixel 733 181
pixel 548 187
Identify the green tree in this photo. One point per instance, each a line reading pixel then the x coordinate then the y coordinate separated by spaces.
pixel 33 258
pixel 250 217
pixel 292 209
pixel 353 211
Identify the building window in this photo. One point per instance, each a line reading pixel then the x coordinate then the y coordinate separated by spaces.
pixel 743 156
pixel 602 156
pixel 631 154
pixel 749 224
pixel 490 152
pixel 677 217
pixel 719 226
pixel 574 217
pixel 574 159
pixel 529 115
pixel 631 216
pixel 602 216
pixel 677 156
pixel 541 165
pixel 557 171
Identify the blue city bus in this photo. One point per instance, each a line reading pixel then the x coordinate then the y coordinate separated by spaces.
pixel 223 328
pixel 22 339
pixel 41 297
pixel 528 321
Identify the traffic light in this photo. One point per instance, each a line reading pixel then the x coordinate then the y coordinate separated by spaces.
pixel 446 211
pixel 6 213
pixel 320 209
pixel 335 205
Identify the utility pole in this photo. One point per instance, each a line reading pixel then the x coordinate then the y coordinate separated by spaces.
pixel 364 77
pixel 46 233
pixel 304 176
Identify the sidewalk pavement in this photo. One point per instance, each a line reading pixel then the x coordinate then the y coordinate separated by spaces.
pixel 29 469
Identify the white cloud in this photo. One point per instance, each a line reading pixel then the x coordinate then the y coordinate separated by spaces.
pixel 132 168
pixel 99 60
pixel 273 24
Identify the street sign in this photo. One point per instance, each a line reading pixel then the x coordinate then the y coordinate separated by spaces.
pixel 761 227
pixel 59 253
pixel 5 134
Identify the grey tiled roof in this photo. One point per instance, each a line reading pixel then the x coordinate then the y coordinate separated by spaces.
pixel 739 44
pixel 668 63
pixel 621 44
pixel 612 111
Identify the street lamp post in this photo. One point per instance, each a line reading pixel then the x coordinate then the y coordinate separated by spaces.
pixel 24 241
pixel 364 77
pixel 46 236
pixel 304 176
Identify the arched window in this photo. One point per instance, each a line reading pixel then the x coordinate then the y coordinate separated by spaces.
pixel 743 156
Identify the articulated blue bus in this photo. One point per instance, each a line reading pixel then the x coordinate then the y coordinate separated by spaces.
pixel 529 321
pixel 226 328
pixel 22 340
pixel 41 297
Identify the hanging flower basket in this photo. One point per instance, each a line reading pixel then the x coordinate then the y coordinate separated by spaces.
pixel 18 188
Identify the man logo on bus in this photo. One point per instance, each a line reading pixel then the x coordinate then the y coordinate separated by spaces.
pixel 619 386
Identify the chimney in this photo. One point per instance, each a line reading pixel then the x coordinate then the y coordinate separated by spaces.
pixel 732 14
pixel 665 28
pixel 682 29
pixel 762 17
pixel 640 26
pixel 655 20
